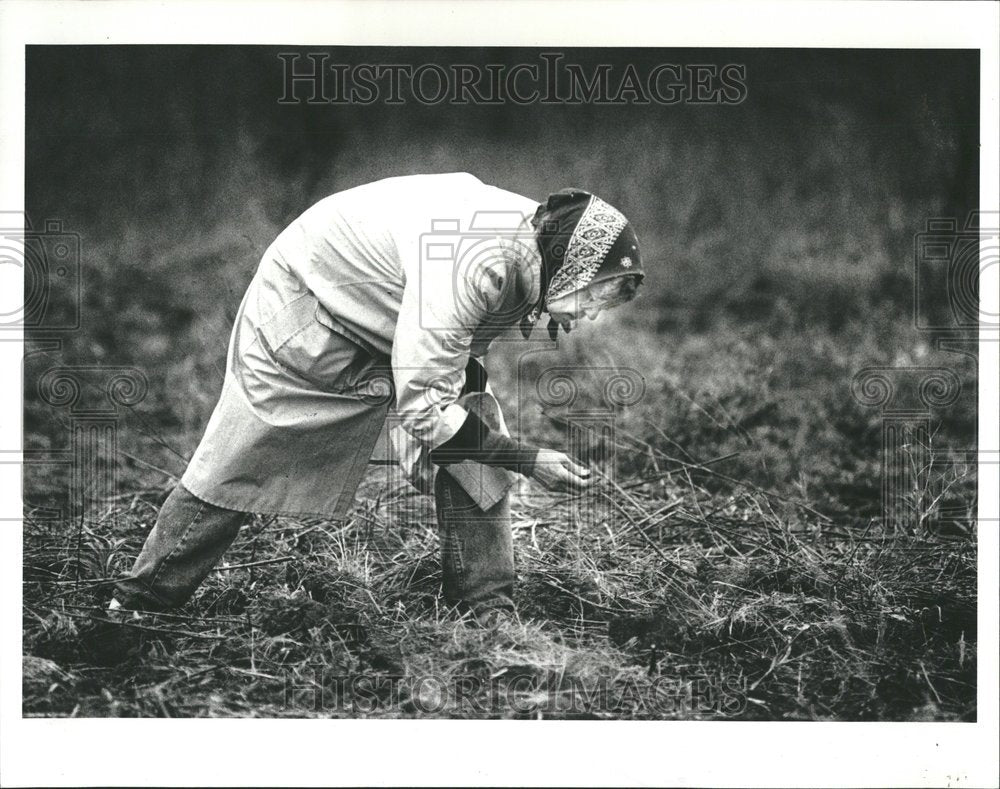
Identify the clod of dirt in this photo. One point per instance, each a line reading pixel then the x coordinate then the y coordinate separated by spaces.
pixel 47 688
pixel 231 600
pixel 329 586
pixel 949 618
pixel 39 675
pixel 291 614
pixel 384 658
pixel 647 630
pixel 99 643
pixel 771 576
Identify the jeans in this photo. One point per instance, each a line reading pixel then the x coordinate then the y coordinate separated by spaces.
pixel 191 535
pixel 187 541
pixel 477 548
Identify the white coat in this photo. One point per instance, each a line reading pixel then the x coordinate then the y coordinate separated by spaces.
pixel 387 286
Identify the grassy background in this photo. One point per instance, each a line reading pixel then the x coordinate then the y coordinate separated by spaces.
pixel 746 544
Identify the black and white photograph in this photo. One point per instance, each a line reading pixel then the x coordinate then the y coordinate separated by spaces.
pixel 421 364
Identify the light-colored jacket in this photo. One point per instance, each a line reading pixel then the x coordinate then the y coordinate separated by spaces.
pixel 396 281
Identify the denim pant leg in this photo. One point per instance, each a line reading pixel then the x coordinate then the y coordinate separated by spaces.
pixel 477 547
pixel 187 541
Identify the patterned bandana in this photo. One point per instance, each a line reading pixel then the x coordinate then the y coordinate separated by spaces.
pixel 583 240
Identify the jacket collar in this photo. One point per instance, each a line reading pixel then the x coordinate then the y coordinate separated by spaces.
pixel 531 287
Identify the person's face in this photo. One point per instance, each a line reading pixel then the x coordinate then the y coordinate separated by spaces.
pixel 587 302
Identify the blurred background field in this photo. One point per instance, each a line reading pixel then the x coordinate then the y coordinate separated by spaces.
pixel 747 542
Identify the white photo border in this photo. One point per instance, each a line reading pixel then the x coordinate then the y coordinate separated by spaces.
pixel 232 752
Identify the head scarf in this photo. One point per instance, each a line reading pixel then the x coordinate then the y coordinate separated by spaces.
pixel 582 240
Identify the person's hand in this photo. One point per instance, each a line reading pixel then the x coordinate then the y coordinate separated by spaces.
pixel 557 471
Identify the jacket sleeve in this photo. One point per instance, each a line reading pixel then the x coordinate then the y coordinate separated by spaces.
pixel 430 359
pixel 441 307
pixel 474 440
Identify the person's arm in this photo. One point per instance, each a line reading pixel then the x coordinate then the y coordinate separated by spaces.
pixel 474 440
pixel 431 345
pixel 429 358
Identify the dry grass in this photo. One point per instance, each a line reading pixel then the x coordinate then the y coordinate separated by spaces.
pixel 771 610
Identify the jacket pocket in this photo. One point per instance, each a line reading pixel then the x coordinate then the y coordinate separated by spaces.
pixel 309 349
